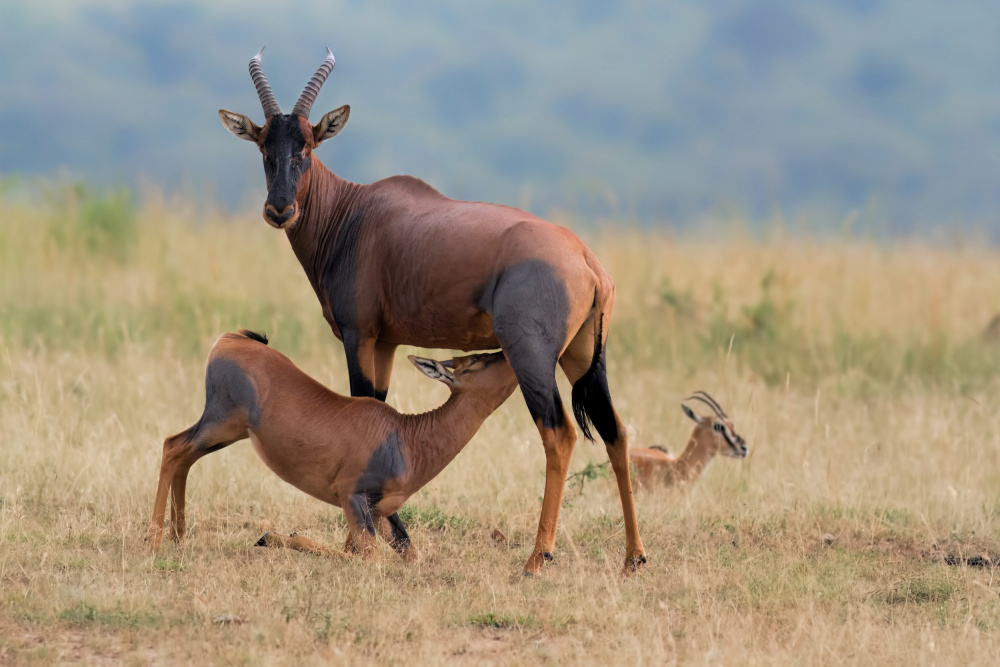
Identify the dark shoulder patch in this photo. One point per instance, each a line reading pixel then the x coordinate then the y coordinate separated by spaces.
pixel 338 276
pixel 386 463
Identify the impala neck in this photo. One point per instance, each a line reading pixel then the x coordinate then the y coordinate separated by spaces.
pixel 694 459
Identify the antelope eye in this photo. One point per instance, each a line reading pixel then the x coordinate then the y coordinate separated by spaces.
pixel 718 427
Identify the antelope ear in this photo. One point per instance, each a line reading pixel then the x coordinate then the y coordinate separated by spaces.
pixel 432 369
pixel 331 124
pixel 692 415
pixel 240 125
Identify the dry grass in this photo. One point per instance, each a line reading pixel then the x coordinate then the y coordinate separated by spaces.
pixel 855 371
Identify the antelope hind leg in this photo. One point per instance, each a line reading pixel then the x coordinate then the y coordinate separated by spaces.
pixel 168 469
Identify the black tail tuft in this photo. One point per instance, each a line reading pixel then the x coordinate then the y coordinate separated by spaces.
pixel 258 336
pixel 592 398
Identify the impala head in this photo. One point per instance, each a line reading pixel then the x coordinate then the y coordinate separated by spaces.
pixel 717 426
pixel 489 371
pixel 286 141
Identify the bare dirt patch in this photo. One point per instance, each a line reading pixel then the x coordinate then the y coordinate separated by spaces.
pixel 969 552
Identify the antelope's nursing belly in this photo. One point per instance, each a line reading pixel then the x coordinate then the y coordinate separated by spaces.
pixel 305 476
pixel 474 332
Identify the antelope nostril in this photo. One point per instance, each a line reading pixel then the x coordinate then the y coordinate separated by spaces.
pixel 281 216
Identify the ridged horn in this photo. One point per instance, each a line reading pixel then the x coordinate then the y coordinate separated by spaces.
pixel 718 407
pixel 264 92
pixel 709 401
pixel 308 96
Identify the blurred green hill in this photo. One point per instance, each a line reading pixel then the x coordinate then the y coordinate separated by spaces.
pixel 657 111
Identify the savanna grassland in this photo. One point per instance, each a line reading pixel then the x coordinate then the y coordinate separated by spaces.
pixel 857 371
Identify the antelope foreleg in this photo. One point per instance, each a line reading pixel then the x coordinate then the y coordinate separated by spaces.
pixel 400 541
pixel 360 525
pixel 360 354
pixel 384 354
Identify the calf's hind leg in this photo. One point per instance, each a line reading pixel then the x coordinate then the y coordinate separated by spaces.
pixel 179 454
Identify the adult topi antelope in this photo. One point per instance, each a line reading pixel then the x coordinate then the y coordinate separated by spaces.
pixel 396 262
pixel 355 453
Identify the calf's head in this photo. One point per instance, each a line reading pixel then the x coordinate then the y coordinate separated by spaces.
pixel 286 141
pixel 486 374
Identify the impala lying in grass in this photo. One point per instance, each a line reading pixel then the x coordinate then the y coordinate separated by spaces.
pixel 712 435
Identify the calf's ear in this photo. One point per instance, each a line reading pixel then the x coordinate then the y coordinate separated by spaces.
pixel 432 369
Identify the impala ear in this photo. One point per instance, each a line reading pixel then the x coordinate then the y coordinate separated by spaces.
pixel 692 415
pixel 433 369
pixel 331 124
pixel 240 125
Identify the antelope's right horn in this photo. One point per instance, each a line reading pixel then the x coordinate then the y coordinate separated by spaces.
pixel 264 92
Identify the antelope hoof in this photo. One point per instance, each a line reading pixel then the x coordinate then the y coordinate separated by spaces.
pixel 634 563
pixel 410 554
pixel 265 540
pixel 536 561
pixel 153 539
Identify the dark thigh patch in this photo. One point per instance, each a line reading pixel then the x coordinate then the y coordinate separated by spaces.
pixel 227 388
pixel 530 307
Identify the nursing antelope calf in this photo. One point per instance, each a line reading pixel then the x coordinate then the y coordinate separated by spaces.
pixel 356 453
pixel 711 435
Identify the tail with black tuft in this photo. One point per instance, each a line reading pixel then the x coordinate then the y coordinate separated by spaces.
pixel 591 396
pixel 258 336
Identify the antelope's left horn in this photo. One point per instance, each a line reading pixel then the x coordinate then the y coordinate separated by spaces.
pixel 715 403
pixel 308 96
